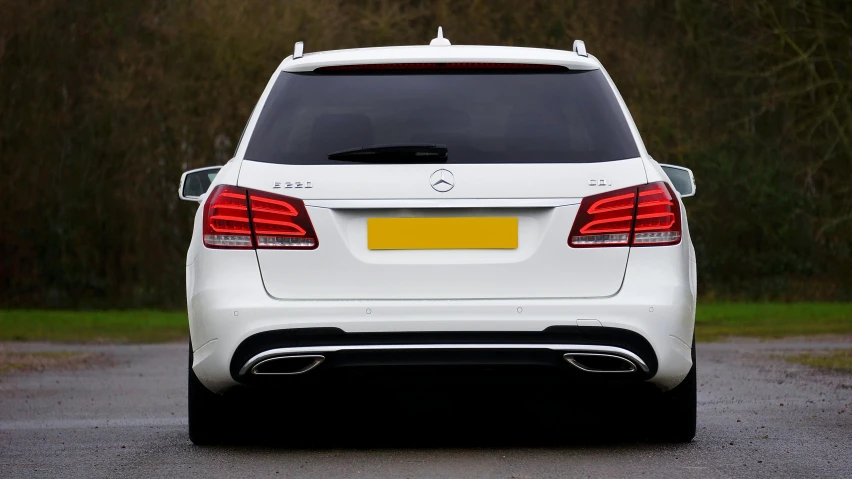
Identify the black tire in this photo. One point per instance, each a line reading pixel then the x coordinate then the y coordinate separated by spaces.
pixel 207 411
pixel 678 409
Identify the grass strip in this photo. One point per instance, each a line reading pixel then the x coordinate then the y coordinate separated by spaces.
pixel 714 321
pixel 133 326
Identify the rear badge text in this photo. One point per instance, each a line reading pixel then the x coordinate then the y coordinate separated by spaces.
pixel 291 184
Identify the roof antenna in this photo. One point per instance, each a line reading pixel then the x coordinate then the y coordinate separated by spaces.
pixel 440 41
pixel 298 50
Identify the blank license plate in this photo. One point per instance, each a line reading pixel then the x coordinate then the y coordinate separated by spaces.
pixel 442 233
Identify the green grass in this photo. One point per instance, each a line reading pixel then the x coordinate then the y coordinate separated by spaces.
pixel 714 321
pixel 138 326
pixel 771 320
pixel 840 360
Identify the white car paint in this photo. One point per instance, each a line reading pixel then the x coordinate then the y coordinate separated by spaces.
pixel 234 294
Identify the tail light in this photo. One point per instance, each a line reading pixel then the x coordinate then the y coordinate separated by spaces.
pixel 226 219
pixel 645 215
pixel 242 218
pixel 657 216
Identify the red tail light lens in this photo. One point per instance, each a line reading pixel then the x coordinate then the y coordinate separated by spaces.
pixel 643 215
pixel 281 222
pixel 241 218
pixel 657 216
pixel 226 219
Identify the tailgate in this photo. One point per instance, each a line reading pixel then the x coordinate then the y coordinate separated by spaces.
pixel 535 203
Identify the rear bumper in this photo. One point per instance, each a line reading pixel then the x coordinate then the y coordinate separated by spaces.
pixel 228 305
pixel 558 350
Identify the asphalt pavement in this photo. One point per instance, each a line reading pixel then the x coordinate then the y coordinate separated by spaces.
pixel 758 416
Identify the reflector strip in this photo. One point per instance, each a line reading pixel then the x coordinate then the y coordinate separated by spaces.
pixel 600 239
pixel 238 241
pixel 661 237
pixel 281 242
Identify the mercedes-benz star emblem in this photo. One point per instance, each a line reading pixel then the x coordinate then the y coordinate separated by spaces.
pixel 442 181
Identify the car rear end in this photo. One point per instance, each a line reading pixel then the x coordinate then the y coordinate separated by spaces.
pixel 544 239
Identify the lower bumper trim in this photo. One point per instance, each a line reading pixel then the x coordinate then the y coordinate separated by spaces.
pixel 566 350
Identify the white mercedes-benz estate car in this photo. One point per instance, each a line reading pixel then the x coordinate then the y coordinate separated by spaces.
pixel 443 208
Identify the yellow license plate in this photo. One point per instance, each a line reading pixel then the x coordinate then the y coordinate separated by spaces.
pixel 442 233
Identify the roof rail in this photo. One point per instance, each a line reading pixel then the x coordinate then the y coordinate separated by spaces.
pixel 580 48
pixel 440 41
pixel 298 50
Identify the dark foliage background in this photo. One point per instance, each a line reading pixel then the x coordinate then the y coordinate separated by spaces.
pixel 104 103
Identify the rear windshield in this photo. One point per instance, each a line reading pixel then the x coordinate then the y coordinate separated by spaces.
pixel 553 117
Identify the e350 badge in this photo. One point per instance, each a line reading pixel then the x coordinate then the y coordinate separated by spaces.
pixel 291 184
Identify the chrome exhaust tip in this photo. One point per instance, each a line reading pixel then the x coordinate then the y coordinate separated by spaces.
pixel 287 365
pixel 600 363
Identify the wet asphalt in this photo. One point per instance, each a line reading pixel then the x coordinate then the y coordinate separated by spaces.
pixel 758 416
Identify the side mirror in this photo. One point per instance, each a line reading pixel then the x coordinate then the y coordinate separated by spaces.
pixel 682 179
pixel 194 183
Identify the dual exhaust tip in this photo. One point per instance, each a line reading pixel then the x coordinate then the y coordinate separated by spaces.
pixel 287 365
pixel 303 363
pixel 600 363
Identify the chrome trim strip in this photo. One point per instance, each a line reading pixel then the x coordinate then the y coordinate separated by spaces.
pixel 566 348
pixel 570 357
pixel 317 360
pixel 444 203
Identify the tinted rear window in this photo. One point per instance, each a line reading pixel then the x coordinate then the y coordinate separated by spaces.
pixel 570 117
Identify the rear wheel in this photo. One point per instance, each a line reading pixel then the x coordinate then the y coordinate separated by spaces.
pixel 677 409
pixel 206 412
